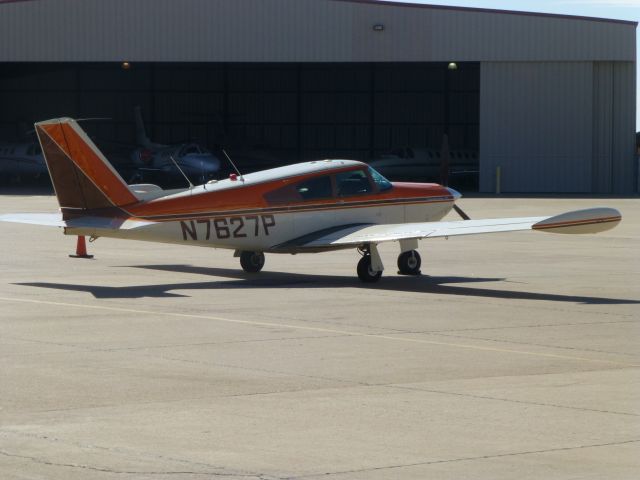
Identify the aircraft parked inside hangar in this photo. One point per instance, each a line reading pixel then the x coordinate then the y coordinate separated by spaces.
pixel 21 160
pixel 308 207
pixel 427 164
pixel 170 162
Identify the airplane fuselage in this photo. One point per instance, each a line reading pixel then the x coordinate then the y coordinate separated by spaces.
pixel 265 212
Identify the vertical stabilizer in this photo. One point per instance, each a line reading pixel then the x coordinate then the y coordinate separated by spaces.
pixel 141 134
pixel 82 177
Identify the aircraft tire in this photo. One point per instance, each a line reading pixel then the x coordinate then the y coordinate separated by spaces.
pixel 365 272
pixel 252 262
pixel 409 263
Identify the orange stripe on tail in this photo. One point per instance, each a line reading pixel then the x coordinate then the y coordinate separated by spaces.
pixel 82 177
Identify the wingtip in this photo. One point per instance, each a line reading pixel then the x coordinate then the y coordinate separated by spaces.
pixel 591 220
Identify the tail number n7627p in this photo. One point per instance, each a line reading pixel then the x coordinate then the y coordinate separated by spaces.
pixel 227 227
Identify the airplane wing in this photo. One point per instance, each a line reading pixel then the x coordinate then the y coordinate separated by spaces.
pixel 592 220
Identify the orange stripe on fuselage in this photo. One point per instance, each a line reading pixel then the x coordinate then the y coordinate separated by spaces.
pixel 251 197
pixel 299 209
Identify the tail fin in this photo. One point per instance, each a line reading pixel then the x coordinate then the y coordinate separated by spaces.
pixel 82 177
pixel 141 133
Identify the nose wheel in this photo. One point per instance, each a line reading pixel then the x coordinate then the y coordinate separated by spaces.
pixel 409 263
pixel 252 262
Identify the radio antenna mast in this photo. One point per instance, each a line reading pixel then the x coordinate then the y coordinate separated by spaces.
pixel 191 185
pixel 233 165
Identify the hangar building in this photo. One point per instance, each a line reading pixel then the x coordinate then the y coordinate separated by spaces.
pixel 548 98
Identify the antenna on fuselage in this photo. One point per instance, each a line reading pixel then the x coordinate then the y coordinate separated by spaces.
pixel 191 185
pixel 233 165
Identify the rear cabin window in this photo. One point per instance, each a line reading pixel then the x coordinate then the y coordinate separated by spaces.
pixel 315 188
pixel 353 183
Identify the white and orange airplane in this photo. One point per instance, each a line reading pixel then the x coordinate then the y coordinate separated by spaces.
pixel 308 207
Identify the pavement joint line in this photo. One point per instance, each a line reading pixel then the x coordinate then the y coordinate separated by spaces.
pixel 509 400
pixel 507 327
pixel 354 384
pixel 465 459
pixel 81 466
pixel 499 340
pixel 114 451
pixel 162 346
pixel 317 329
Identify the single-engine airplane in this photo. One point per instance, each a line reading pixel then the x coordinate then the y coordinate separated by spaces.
pixel 308 207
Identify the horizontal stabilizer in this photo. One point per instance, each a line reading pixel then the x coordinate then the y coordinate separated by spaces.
pixel 89 223
pixel 45 219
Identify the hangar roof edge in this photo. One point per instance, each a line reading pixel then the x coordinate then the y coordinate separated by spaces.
pixel 432 6
pixel 455 8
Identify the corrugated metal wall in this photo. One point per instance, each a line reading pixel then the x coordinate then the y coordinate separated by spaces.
pixel 624 169
pixel 603 115
pixel 557 126
pixel 295 31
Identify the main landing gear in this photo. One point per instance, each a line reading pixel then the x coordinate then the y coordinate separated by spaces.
pixel 366 273
pixel 370 265
pixel 409 263
pixel 252 262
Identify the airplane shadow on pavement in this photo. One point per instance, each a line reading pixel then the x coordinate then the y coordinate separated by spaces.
pixel 240 280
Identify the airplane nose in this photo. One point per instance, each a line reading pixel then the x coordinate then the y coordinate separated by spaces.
pixel 454 193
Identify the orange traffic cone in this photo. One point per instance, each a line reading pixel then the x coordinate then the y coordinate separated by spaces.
pixel 81 249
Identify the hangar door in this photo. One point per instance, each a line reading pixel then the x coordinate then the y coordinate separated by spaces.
pixel 282 112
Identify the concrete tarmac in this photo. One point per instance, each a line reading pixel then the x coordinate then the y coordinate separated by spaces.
pixel 513 356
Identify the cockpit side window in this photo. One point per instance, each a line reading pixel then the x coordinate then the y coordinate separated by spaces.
pixel 190 150
pixel 382 183
pixel 354 182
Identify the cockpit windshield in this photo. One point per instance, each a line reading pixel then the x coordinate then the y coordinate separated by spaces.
pixel 382 183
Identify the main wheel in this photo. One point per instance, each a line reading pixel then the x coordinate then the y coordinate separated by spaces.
pixel 409 263
pixel 365 272
pixel 252 262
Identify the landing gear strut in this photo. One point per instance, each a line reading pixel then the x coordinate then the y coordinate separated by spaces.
pixel 368 271
pixel 409 263
pixel 252 262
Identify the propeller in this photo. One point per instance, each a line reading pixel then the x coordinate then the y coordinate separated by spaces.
pixel 456 195
pixel 460 212
pixel 444 176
